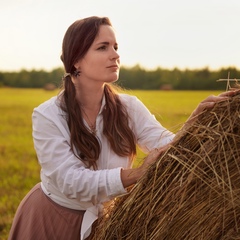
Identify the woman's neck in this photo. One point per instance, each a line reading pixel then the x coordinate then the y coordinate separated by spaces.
pixel 90 98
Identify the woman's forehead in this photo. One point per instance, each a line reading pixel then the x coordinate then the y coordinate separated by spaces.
pixel 105 34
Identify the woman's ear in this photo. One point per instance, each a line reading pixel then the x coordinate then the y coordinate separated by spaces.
pixel 77 71
pixel 77 65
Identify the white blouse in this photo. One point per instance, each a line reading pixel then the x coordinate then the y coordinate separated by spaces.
pixel 65 179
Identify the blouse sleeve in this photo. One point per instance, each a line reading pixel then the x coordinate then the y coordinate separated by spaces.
pixel 65 171
pixel 149 132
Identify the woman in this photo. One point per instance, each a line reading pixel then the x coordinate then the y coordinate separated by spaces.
pixel 85 139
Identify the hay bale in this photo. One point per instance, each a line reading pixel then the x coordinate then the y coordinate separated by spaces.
pixel 49 87
pixel 192 191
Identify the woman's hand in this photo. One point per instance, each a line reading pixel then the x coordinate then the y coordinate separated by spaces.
pixel 131 176
pixel 209 102
pixel 153 156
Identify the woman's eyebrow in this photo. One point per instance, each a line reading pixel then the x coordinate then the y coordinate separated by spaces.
pixel 104 43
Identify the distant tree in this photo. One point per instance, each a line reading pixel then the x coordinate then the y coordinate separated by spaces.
pixel 56 76
pixel 135 77
pixel 1 79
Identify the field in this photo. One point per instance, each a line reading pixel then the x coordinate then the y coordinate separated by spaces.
pixel 19 170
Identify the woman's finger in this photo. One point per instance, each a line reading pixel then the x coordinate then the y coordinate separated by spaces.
pixel 229 93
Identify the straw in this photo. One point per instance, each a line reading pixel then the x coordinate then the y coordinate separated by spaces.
pixel 191 192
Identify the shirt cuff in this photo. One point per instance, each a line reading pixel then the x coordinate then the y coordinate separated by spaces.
pixel 114 183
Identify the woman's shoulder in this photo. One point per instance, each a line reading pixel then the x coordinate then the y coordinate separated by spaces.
pixel 126 98
pixel 134 105
pixel 130 101
pixel 51 105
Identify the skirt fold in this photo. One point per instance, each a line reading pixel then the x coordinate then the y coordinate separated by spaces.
pixel 39 218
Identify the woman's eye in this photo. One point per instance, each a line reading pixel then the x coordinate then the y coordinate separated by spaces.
pixel 102 48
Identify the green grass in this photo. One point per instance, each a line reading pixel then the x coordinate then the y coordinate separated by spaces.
pixel 19 170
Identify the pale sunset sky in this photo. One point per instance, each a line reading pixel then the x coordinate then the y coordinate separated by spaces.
pixel 166 33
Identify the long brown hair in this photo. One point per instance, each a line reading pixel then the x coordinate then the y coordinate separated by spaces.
pixel 77 40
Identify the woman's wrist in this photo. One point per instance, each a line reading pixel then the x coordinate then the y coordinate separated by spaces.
pixel 131 176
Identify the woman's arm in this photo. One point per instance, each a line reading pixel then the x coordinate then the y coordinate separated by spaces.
pixel 131 176
pixel 149 132
pixel 62 170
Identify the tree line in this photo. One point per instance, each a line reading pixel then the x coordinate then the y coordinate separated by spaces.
pixel 135 77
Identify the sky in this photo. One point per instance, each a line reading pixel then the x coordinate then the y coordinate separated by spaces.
pixel 152 33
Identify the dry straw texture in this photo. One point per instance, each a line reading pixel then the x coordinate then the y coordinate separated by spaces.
pixel 192 191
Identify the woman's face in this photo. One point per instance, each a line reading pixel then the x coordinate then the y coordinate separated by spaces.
pixel 101 62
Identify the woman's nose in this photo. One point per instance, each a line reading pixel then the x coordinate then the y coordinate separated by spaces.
pixel 115 54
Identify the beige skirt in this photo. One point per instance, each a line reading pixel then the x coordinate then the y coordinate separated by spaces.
pixel 39 218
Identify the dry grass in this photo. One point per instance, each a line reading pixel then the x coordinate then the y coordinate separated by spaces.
pixel 192 191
